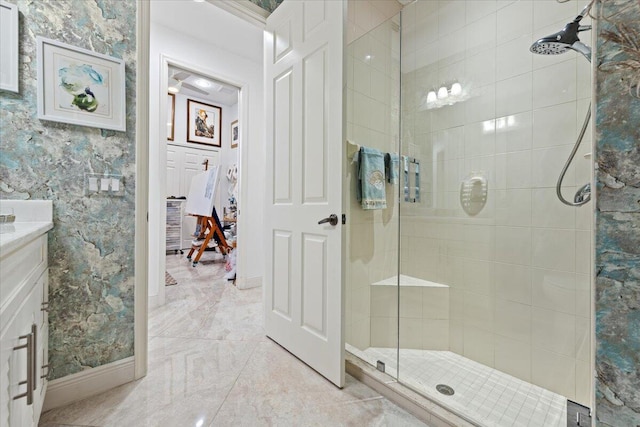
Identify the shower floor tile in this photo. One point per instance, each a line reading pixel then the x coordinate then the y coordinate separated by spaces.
pixel 484 395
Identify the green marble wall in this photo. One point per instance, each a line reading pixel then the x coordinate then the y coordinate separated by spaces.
pixel 268 5
pixel 618 213
pixel 91 248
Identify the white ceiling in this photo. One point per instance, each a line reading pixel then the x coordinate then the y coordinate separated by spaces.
pixel 217 93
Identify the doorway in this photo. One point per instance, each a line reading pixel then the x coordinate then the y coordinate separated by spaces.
pixel 183 153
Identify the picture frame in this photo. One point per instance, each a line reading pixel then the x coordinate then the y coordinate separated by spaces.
pixel 9 34
pixel 80 87
pixel 203 123
pixel 235 134
pixel 171 116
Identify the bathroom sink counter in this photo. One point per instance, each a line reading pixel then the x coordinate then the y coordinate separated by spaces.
pixel 23 246
pixel 33 218
pixel 24 233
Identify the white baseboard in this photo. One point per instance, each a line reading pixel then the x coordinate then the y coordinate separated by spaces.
pixel 249 282
pixel 154 301
pixel 75 387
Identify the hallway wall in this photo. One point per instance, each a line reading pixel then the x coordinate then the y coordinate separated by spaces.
pixel 91 247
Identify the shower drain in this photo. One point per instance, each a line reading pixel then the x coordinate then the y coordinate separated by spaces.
pixel 445 389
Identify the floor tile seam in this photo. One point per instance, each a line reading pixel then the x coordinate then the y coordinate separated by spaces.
pixel 246 363
pixel 69 425
pixel 206 338
pixel 256 340
pixel 346 402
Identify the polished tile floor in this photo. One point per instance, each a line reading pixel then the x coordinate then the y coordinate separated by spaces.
pixel 210 364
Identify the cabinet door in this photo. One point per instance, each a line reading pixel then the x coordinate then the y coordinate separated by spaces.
pixel 42 345
pixel 14 363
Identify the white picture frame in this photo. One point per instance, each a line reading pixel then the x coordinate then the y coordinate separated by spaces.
pixel 80 87
pixel 9 34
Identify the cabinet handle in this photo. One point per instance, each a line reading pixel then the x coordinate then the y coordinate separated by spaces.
pixel 45 376
pixel 45 306
pixel 34 355
pixel 29 381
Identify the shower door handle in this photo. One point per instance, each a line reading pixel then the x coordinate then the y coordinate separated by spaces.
pixel 331 219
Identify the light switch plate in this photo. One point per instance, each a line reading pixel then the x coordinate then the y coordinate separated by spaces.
pixel 98 184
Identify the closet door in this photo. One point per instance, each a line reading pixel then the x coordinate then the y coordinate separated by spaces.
pixel 174 160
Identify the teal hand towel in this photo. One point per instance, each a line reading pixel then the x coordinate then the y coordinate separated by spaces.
pixel 392 167
pixel 371 191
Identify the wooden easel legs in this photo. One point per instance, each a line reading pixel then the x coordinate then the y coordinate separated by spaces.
pixel 210 230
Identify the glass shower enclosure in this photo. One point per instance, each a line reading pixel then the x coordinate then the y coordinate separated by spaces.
pixel 473 285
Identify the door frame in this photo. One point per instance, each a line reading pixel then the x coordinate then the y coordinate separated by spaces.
pixel 159 175
pixel 146 208
pixel 141 261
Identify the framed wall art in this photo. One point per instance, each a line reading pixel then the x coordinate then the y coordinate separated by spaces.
pixel 80 87
pixel 9 34
pixel 235 134
pixel 203 123
pixel 171 116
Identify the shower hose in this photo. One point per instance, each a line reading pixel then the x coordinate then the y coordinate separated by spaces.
pixel 583 190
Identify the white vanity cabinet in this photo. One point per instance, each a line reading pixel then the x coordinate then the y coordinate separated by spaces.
pixel 24 329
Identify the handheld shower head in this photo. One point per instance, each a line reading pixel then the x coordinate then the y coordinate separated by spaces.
pixel 565 39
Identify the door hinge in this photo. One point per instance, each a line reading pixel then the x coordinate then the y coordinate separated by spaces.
pixel 344 218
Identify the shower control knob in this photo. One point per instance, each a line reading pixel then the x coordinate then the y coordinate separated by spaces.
pixel 331 219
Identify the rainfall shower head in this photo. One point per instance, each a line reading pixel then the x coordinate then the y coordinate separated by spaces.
pixel 565 39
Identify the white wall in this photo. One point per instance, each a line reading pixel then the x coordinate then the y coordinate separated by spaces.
pixel 235 57
pixel 228 155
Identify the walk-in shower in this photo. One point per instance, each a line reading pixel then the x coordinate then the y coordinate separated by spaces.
pixel 473 286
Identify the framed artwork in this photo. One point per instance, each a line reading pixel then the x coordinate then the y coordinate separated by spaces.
pixel 9 53
pixel 235 134
pixel 80 87
pixel 203 123
pixel 171 115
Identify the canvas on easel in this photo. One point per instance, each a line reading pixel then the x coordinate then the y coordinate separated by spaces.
pixel 200 203
pixel 202 193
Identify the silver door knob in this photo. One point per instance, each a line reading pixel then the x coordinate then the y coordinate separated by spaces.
pixel 332 219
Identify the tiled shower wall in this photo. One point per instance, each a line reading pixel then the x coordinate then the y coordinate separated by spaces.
pixel 373 87
pixel 519 271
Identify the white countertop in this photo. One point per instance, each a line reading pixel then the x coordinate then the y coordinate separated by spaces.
pixel 24 233
pixel 33 218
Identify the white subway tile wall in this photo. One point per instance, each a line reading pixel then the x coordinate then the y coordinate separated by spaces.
pixel 519 271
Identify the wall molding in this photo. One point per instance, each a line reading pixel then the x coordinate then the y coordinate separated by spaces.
pixel 244 9
pixel 249 282
pixel 75 387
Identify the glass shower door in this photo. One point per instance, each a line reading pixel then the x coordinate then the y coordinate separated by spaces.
pixel 373 84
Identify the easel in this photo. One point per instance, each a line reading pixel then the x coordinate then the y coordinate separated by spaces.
pixel 210 228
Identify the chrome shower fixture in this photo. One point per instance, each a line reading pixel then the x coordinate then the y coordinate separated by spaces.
pixel 565 39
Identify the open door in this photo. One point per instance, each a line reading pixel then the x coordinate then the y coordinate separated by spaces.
pixel 303 48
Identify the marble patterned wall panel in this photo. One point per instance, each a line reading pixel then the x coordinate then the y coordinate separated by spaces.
pixel 91 248
pixel 268 5
pixel 618 213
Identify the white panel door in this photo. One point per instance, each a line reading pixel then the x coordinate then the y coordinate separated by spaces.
pixel 303 91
